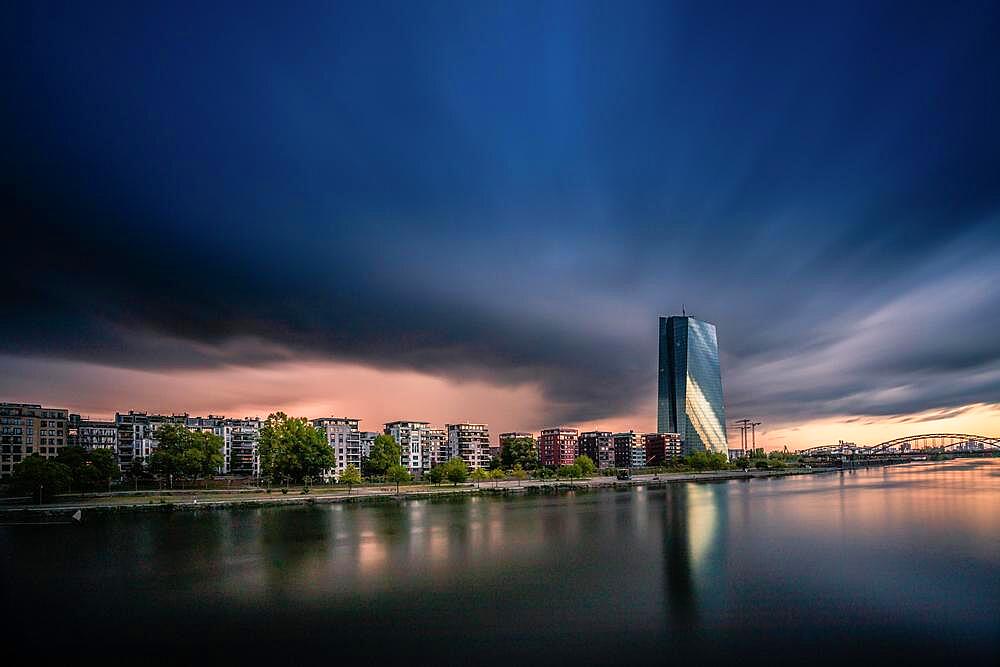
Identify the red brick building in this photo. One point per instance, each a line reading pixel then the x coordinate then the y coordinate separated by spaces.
pixel 662 448
pixel 557 446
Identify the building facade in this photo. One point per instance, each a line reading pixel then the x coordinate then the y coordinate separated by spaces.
pixel 96 434
pixel 344 438
pixel 411 436
pixel 662 448
pixel 630 450
pixel 599 446
pixel 557 446
pixel 27 429
pixel 471 442
pixel 438 448
pixel 689 385
pixel 137 436
pixel 244 448
pixel 367 439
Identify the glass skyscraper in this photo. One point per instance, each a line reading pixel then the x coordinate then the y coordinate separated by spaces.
pixel 689 400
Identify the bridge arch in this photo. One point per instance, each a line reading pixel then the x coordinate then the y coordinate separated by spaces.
pixel 924 442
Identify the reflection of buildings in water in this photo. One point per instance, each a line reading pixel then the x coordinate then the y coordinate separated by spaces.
pixel 678 578
pixel 294 545
pixel 691 544
pixel 372 553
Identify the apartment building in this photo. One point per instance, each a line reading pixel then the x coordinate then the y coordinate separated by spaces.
pixel 662 448
pixel 240 452
pixel 367 438
pixel 30 428
pixel 412 439
pixel 557 446
pixel 137 435
pixel 244 448
pixel 472 443
pixel 599 446
pixel 94 434
pixel 630 450
pixel 438 448
pixel 344 438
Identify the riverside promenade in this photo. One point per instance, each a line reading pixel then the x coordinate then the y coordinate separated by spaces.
pixel 194 499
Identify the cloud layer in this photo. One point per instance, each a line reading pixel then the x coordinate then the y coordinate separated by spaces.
pixel 509 196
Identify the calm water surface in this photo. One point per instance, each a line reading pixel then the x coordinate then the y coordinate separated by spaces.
pixel 900 562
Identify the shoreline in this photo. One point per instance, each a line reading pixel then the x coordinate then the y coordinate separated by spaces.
pixel 155 501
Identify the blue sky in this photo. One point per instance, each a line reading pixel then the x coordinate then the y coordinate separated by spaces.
pixel 510 192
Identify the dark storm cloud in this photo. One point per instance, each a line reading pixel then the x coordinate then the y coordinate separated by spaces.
pixel 514 193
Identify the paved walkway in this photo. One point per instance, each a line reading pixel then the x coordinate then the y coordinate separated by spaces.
pixel 192 499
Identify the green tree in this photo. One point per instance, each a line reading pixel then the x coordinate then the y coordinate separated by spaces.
pixel 385 453
pixel 350 477
pixel 191 454
pixel 89 469
pixel 518 473
pixel 495 463
pixel 496 475
pixel 519 451
pixel 291 449
pixel 191 463
pixel 397 474
pixel 544 472
pixel 569 472
pixel 478 475
pixel 438 473
pixel 40 478
pixel 456 470
pixel 585 464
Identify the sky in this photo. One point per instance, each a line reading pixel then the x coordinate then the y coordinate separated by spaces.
pixel 457 211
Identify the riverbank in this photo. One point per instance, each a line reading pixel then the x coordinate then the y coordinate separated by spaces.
pixel 154 501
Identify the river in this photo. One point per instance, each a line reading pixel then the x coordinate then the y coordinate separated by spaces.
pixel 900 562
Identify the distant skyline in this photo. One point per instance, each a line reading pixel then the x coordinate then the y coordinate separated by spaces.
pixel 473 212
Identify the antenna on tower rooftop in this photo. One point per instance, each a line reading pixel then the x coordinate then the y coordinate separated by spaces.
pixel 683 312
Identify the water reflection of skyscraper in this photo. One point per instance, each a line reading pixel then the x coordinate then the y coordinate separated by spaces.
pixel 679 594
pixel 690 546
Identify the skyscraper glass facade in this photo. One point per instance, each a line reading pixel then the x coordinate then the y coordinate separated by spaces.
pixel 689 400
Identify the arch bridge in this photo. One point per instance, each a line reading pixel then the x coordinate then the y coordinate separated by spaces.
pixel 927 443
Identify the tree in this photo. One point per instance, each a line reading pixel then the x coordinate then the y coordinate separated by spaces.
pixel 570 472
pixel 456 471
pixel 519 451
pixel 397 474
pixel 192 462
pixel 544 472
pixel 585 464
pixel 706 461
pixel 350 477
pixel 385 453
pixel 438 474
pixel 290 448
pixel 188 453
pixel 478 475
pixel 88 469
pixel 40 477
pixel 495 464
pixel 518 473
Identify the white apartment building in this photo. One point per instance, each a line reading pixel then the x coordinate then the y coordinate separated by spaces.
pixel 344 439
pixel 240 452
pixel 136 435
pixel 472 443
pixel 367 439
pixel 438 448
pixel 412 439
